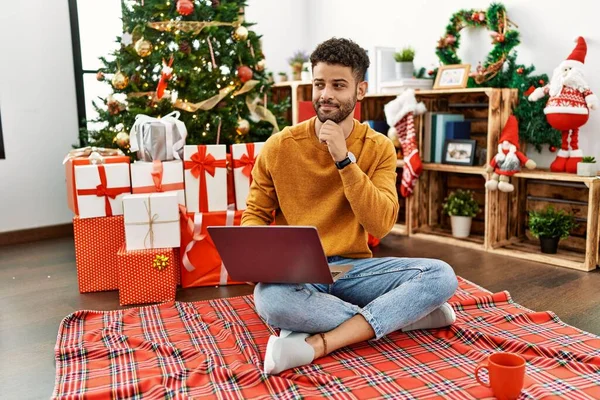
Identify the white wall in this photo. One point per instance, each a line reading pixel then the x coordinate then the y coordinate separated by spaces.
pixel 283 24
pixel 547 31
pixel 39 112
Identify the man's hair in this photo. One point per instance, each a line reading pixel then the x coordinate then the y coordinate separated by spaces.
pixel 343 52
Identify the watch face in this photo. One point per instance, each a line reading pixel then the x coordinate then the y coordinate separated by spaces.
pixel 351 157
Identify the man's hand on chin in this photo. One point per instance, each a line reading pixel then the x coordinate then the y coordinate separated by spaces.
pixel 332 135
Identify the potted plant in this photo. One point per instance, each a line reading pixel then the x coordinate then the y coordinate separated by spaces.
pixel 550 225
pixel 282 76
pixel 461 207
pixel 404 63
pixel 587 167
pixel 296 62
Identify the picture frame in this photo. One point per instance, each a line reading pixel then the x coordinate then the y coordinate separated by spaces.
pixel 452 76
pixel 459 152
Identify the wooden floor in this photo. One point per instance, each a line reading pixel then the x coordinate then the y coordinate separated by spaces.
pixel 38 287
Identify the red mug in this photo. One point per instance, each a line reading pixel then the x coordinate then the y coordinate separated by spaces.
pixel 506 373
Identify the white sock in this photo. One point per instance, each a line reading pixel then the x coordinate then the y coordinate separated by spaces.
pixel 288 352
pixel 438 318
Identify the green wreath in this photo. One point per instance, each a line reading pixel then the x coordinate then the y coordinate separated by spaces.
pixel 501 70
pixel 504 39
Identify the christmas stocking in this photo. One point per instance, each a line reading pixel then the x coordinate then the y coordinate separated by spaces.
pixel 410 149
pixel 399 114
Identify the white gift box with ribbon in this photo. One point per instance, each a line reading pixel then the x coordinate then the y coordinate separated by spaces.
pixel 157 177
pixel 101 188
pixel 159 139
pixel 205 173
pixel 151 221
pixel 244 156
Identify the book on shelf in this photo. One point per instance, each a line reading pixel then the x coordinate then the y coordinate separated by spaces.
pixel 435 126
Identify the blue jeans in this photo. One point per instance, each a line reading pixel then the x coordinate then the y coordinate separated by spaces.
pixel 390 293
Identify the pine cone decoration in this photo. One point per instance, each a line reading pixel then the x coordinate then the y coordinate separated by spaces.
pixel 216 3
pixel 185 47
pixel 136 79
pixel 114 107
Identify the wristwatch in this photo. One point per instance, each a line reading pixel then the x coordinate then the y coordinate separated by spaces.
pixel 350 158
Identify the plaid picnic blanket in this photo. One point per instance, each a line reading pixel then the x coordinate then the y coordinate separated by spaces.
pixel 215 348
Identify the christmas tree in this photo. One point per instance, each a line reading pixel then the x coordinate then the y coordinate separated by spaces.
pixel 197 57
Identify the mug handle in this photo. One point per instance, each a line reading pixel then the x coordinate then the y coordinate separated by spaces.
pixel 482 365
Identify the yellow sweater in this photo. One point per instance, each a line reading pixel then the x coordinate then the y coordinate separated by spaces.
pixel 296 176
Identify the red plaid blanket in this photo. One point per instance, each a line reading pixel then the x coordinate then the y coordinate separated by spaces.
pixel 214 349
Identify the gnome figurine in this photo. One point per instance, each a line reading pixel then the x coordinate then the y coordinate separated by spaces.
pixel 509 159
pixel 568 106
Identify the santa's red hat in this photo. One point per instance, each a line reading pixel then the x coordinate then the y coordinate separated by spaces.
pixel 510 132
pixel 577 56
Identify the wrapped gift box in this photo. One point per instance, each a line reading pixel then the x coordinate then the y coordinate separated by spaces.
pixel 160 139
pixel 200 260
pixel 72 162
pixel 151 221
pixel 97 241
pixel 244 157
pixel 157 176
pixel 147 276
pixel 205 178
pixel 100 189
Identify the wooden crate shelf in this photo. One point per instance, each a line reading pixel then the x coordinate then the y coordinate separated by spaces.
pixel 534 191
pixel 501 226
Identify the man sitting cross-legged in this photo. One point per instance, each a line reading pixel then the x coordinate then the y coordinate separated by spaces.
pixel 338 175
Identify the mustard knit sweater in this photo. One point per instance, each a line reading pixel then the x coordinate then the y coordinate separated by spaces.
pixel 296 176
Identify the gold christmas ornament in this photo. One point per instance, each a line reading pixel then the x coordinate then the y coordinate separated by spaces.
pixel 143 47
pixel 260 66
pixel 240 33
pixel 122 139
pixel 120 81
pixel 243 127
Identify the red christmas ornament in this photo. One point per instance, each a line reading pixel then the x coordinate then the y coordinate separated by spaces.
pixel 185 7
pixel 430 72
pixel 541 82
pixel 244 73
pixel 529 91
pixel 519 71
pixel 552 149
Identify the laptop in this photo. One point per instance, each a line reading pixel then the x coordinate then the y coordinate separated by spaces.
pixel 274 254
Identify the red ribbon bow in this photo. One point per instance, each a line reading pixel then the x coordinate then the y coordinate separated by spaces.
pixel 103 191
pixel 157 174
pixel 200 164
pixel 246 161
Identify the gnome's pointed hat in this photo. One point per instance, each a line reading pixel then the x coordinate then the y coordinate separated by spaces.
pixel 510 132
pixel 577 56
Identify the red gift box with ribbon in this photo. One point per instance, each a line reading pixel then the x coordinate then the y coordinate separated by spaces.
pixel 158 177
pixel 147 276
pixel 205 174
pixel 201 264
pixel 244 157
pixel 91 156
pixel 97 241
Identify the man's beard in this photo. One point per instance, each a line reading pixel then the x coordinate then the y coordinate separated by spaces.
pixel 573 79
pixel 344 109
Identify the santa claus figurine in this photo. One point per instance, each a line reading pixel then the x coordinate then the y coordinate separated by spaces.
pixel 567 107
pixel 509 159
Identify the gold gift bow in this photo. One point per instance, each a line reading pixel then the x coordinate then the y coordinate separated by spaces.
pixel 88 150
pixel 152 219
pixel 160 262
